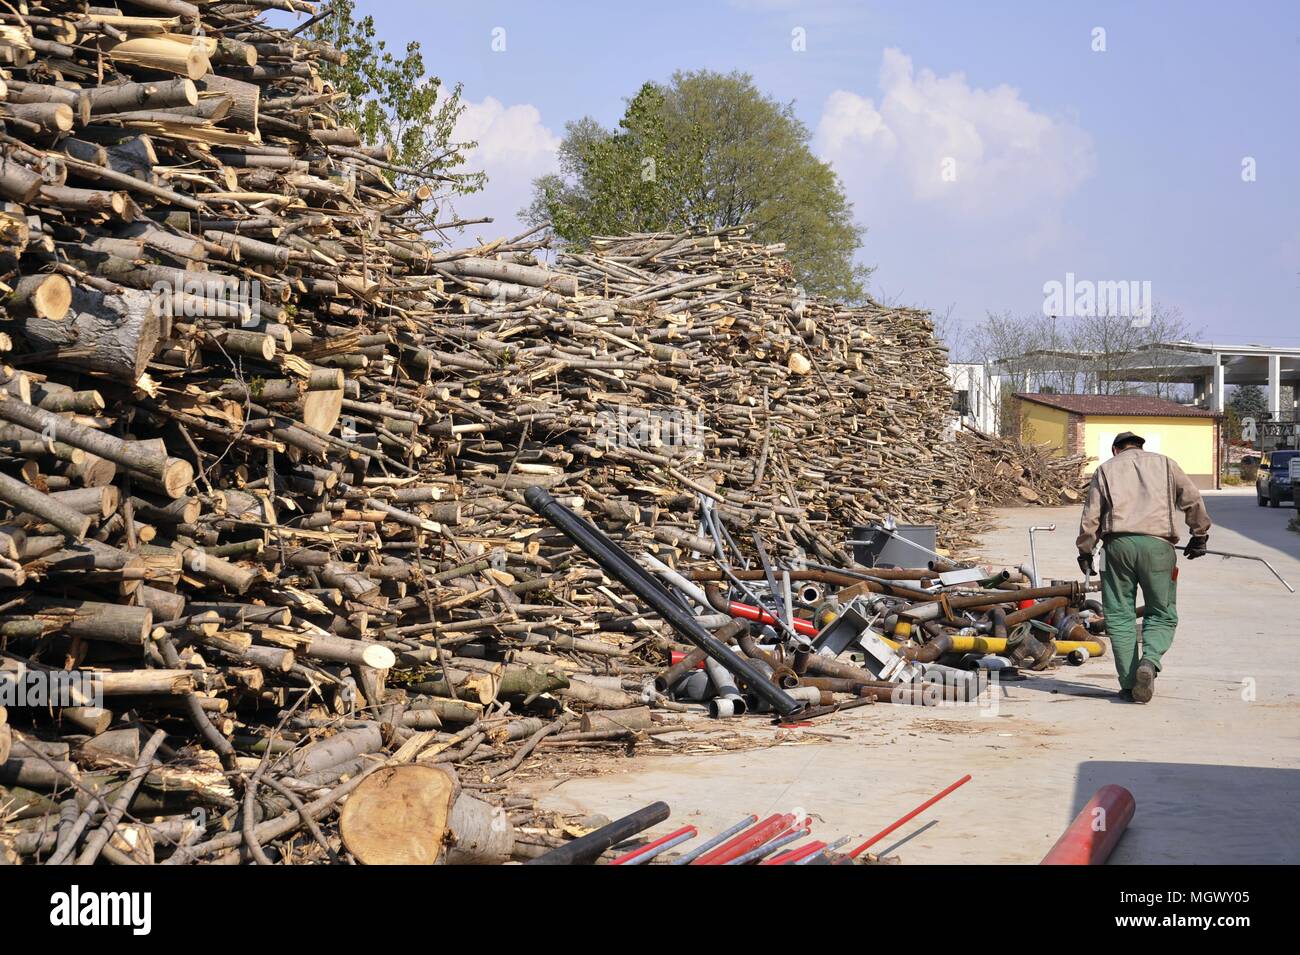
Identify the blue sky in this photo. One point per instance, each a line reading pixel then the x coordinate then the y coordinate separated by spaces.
pixel 1122 164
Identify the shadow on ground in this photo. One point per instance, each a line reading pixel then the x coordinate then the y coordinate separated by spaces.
pixel 1201 815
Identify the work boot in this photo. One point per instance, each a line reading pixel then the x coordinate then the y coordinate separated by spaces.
pixel 1126 696
pixel 1144 682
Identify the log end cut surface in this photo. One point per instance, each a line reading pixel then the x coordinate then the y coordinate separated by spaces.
pixel 398 816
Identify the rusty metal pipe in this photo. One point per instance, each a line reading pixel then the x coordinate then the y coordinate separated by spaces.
pixel 822 665
pixel 833 684
pixel 785 677
pixel 728 633
pixel 998 620
pixel 929 611
pixel 820 576
pixel 1036 611
pixel 749 646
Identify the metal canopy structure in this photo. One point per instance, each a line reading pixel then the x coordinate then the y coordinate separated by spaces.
pixel 1210 368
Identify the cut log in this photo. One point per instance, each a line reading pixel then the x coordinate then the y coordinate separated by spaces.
pixel 22 497
pixel 45 297
pixel 173 474
pixel 399 815
pixel 114 335
pixel 168 53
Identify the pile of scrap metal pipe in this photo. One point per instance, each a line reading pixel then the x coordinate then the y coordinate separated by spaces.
pixel 920 642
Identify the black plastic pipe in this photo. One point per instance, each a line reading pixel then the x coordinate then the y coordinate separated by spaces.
pixel 641 582
pixel 587 849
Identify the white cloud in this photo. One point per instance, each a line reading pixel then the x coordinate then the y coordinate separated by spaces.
pixel 514 147
pixel 1005 160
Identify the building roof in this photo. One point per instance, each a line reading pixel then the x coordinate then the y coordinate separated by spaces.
pixel 1128 406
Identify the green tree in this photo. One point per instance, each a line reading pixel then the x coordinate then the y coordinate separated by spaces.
pixel 392 102
pixel 706 150
pixel 1248 401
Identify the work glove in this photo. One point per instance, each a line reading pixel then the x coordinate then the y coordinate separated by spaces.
pixel 1195 548
pixel 1086 565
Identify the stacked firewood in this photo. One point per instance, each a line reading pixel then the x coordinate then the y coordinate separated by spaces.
pixel 1009 471
pixel 262 445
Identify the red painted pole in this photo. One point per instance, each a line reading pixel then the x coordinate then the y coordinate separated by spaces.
pixel 794 855
pixel 911 815
pixel 1096 830
pixel 751 838
pixel 629 856
pixel 737 839
pixel 757 614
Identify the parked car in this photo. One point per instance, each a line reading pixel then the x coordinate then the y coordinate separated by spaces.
pixel 1273 483
pixel 1295 480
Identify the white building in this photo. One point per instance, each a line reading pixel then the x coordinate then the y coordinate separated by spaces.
pixel 975 395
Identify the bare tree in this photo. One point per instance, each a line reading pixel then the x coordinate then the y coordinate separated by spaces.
pixel 1083 355
pixel 1111 347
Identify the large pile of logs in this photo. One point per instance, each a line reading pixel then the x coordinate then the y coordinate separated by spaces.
pixel 1008 471
pixel 262 445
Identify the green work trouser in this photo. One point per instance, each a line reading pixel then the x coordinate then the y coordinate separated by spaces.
pixel 1133 561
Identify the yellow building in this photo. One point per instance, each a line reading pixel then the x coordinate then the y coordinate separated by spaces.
pixel 1087 424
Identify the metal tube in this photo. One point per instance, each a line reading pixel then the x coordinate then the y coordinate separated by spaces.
pixel 929 611
pixel 716 841
pixel 824 851
pixel 689 588
pixel 794 855
pixel 751 837
pixel 1040 609
pixel 911 815
pixel 1224 553
pixel 728 632
pixel 587 849
pixel 1033 557
pixel 637 579
pixel 661 849
pixel 767 848
pixel 727 692
pixel 713 592
pixel 1083 843
pixel 651 849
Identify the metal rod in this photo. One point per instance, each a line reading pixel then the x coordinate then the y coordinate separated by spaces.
pixel 911 815
pixel 716 841
pixel 1033 557
pixel 767 848
pixel 648 851
pixel 645 585
pixel 1224 553
pixel 824 850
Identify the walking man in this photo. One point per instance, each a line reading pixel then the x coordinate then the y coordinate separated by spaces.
pixel 1130 510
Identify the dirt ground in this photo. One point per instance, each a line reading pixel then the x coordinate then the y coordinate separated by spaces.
pixel 1214 761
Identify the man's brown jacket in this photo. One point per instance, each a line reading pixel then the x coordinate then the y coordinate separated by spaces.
pixel 1138 492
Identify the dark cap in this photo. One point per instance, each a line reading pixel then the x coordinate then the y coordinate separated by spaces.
pixel 1128 437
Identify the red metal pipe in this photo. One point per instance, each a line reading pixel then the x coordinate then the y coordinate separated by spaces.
pixel 775 831
pixel 629 856
pixel 747 612
pixel 736 839
pixel 678 656
pixel 1096 830
pixel 751 838
pixel 911 815
pixel 794 855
